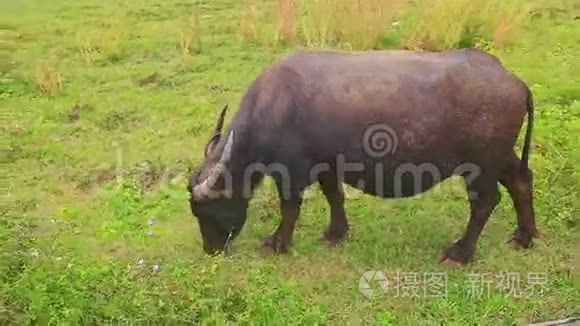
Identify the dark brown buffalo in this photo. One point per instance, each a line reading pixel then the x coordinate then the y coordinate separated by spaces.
pixel 307 119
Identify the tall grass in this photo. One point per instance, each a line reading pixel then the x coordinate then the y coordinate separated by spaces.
pixel 505 19
pixel 434 25
pixel 48 78
pixel 357 24
pixel 286 20
pixel 247 27
pixel 88 44
pixel 318 23
pixel 190 36
pixel 107 42
pixel 438 25
pixel 116 35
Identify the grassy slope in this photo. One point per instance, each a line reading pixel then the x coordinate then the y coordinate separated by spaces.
pixel 71 236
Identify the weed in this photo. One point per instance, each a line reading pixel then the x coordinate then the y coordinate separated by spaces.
pixel 75 113
pixel 286 20
pixel 317 24
pixel 247 26
pixel 118 119
pixel 107 42
pixel 88 44
pixel 190 41
pixel 115 36
pixel 376 15
pixel 327 23
pixel 48 78
pixel 505 19
pixel 8 45
pixel 440 25
pixel 150 79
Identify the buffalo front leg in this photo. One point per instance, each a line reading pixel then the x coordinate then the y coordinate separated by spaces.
pixel 280 240
pixel 338 226
pixel 482 201
pixel 518 182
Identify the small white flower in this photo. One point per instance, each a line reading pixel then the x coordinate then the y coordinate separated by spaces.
pixel 141 261
pixel 156 268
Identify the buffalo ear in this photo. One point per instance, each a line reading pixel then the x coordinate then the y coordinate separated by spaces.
pixel 209 147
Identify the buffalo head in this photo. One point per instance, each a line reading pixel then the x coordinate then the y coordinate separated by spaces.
pixel 220 213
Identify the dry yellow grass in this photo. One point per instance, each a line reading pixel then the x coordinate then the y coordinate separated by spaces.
pixel 116 34
pixel 318 28
pixel 286 20
pixel 95 43
pixel 48 78
pixel 88 41
pixel 505 19
pixel 247 27
pixel 363 23
pixel 190 36
pixel 439 25
pixel 356 25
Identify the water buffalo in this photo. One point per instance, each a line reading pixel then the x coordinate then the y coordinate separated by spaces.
pixel 310 115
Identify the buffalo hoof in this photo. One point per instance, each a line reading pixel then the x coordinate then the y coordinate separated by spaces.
pixel 521 239
pixel 273 245
pixel 332 237
pixel 448 262
pixel 456 256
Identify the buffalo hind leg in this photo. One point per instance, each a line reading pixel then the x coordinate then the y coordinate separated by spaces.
pixel 484 196
pixel 519 185
pixel 290 204
pixel 332 190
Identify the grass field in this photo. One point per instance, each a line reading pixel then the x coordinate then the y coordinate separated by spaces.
pixel 107 106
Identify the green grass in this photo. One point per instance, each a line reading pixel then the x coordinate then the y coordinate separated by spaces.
pixel 89 164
